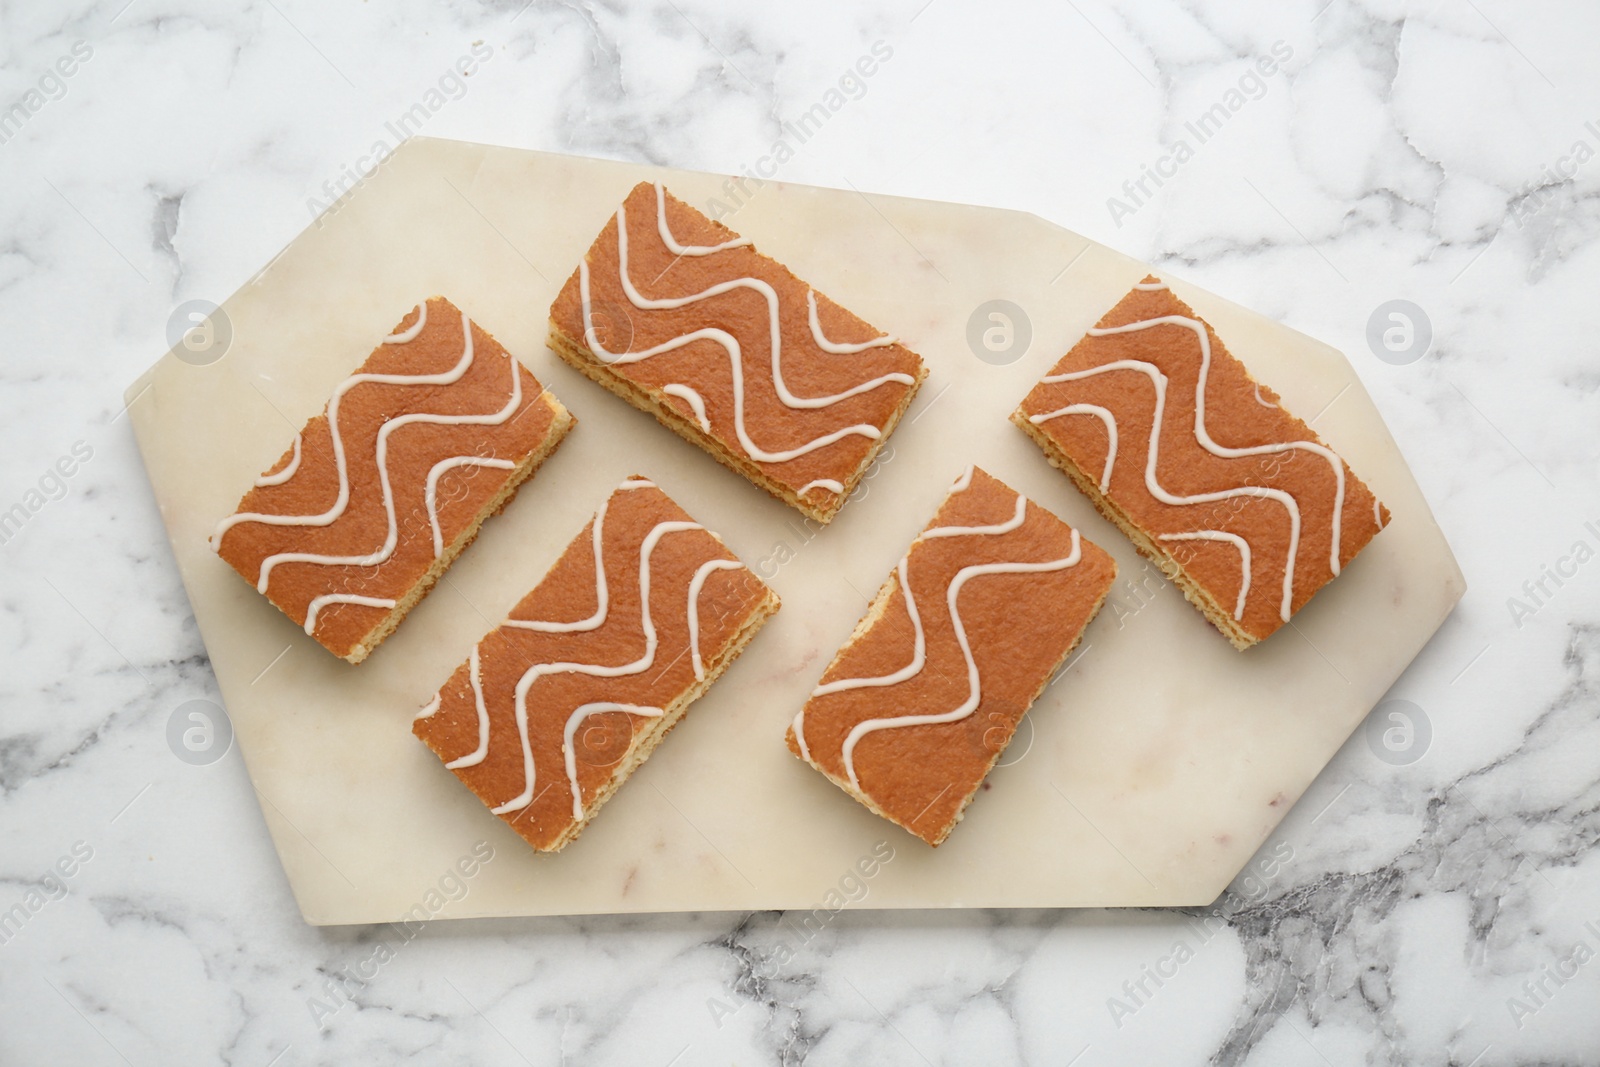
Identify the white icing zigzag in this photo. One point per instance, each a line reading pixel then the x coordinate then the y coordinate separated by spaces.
pixel 431 493
pixel 975 695
pixel 1155 488
pixel 1244 558
pixel 476 756
pixel 919 646
pixel 672 242
pixel 1159 380
pixel 288 468
pixel 643 663
pixel 832 485
pixel 326 518
pixel 412 332
pixel 594 621
pixel 728 341
pixel 1224 451
pixel 695 401
pixel 1104 416
pixel 318 603
pixel 602 592
pixel 838 348
pixel 695 585
pixel 569 751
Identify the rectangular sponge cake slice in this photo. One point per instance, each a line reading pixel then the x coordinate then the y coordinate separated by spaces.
pixel 1166 432
pixel 377 495
pixel 982 610
pixel 684 319
pixel 556 707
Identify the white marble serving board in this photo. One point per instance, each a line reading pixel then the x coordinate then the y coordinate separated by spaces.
pixel 1147 774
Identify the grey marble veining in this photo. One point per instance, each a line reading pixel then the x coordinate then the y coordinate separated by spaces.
pixel 1444 910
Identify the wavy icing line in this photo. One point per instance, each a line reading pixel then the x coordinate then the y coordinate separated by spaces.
pixel 729 343
pixel 1104 416
pixel 975 692
pixel 695 401
pixel 696 584
pixel 431 492
pixel 643 663
pixel 833 485
pixel 392 535
pixel 1244 558
pixel 410 333
pixel 602 591
pixel 326 518
pixel 919 650
pixel 838 348
pixel 672 242
pixel 919 643
pixel 1204 437
pixel 994 528
pixel 594 621
pixel 476 756
pixel 569 752
pixel 1154 487
pixel 288 469
pixel 318 603
pixel 1335 464
pixel 1206 442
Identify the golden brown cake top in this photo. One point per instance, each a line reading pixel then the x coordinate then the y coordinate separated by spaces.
pixel 914 710
pixel 767 366
pixel 406 453
pixel 1204 459
pixel 544 713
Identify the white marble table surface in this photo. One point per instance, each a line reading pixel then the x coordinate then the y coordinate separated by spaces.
pixel 1435 905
